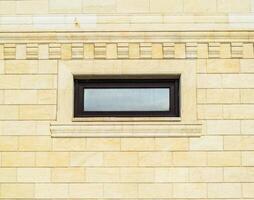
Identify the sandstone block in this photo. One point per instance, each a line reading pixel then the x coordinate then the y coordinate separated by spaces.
pixel 166 6
pixel 68 175
pixel 42 112
pixel 223 66
pixel 1 66
pixel 31 7
pixel 169 174
pixel 86 190
pixel 210 112
pixel 9 112
pixel 10 82
pixel 223 96
pixel 8 143
pixel 233 6
pixel 246 66
pixel 209 81
pixel 201 96
pixel 98 175
pixel 137 144
pixel 20 96
pixel 248 158
pixel 38 82
pixel 99 6
pixel 8 175
pixel 239 174
pixel 18 159
pixel 171 144
pixel 25 128
pixel 103 144
pixel 206 143
pixel 155 190
pixel 189 190
pixel 49 190
pixel 69 144
pixel 47 66
pixel 247 127
pixel 60 6
pixel 52 159
pixel 116 190
pixel 239 143
pixel 132 6
pixel 224 190
pixel 198 174
pixel 155 158
pixel 17 190
pixel 140 174
pixel 227 159
pixel 34 175
pixel 248 191
pixel 121 159
pixel 34 143
pixel 238 111
pixel 46 96
pixel 1 96
pixel 223 127
pixel 199 6
pixel 237 80
pixel 247 95
pixel 189 158
pixel 86 159
pixel 8 8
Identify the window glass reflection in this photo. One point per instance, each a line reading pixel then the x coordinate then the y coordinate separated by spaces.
pixel 127 99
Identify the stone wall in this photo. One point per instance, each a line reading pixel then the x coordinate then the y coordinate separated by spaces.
pixel 218 164
pixel 27 7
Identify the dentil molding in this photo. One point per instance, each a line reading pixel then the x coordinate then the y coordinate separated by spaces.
pixel 69 45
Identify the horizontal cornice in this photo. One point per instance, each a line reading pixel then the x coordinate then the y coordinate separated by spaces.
pixel 125 36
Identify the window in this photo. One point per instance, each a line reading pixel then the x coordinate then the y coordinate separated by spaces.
pixel 78 122
pixel 126 97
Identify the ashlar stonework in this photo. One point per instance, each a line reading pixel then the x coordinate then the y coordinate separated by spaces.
pixel 207 153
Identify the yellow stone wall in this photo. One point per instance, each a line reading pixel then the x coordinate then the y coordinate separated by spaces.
pixel 28 7
pixel 217 165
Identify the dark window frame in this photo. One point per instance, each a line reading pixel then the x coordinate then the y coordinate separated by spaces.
pixel 172 83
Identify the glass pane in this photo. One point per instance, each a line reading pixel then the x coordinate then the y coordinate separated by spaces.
pixel 127 99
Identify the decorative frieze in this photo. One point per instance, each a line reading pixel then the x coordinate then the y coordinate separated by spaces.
pixel 126 51
pixel 214 50
pixel 237 50
pixel 123 51
pixel 10 51
pixel 127 45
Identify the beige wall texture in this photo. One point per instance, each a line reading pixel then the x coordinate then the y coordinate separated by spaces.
pixel 26 7
pixel 216 165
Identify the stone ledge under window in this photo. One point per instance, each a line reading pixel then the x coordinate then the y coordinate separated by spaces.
pixel 126 129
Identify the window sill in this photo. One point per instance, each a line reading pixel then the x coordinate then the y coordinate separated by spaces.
pixel 127 119
pixel 126 128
